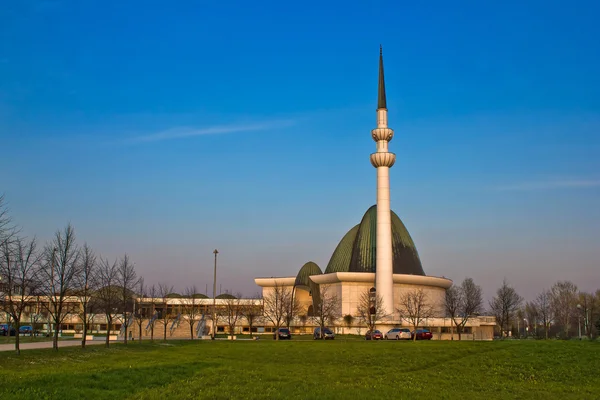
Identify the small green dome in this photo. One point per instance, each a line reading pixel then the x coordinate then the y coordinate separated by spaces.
pixel 308 269
pixel 303 281
pixel 356 250
pixel 226 296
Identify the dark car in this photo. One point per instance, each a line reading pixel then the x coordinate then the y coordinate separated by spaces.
pixel 26 329
pixel 284 333
pixel 327 333
pixel 6 330
pixel 422 334
pixel 374 335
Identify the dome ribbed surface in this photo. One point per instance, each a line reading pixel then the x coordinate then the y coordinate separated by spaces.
pixel 308 269
pixel 356 252
pixel 303 281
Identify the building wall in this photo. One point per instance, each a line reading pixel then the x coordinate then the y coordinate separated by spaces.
pixel 350 294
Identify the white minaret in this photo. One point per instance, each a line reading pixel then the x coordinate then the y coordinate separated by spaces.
pixel 383 161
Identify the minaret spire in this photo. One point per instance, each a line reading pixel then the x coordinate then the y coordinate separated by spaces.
pixel 381 103
pixel 383 160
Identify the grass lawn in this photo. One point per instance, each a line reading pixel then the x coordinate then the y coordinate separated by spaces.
pixel 340 369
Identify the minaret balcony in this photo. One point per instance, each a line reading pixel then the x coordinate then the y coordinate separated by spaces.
pixel 383 159
pixel 382 134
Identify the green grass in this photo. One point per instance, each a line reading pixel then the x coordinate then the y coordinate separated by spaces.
pixel 340 369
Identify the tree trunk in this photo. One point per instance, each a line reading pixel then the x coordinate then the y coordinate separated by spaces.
pixel 107 344
pixel 84 330
pixel 192 331
pixel 55 336
pixel 140 326
pixel 125 322
pixel 165 331
pixel 459 332
pixel 17 343
pixel 151 332
pixel 546 329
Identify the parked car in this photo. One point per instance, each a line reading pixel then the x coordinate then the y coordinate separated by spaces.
pixel 26 329
pixel 375 335
pixel 398 333
pixel 284 333
pixel 422 334
pixel 6 330
pixel 327 333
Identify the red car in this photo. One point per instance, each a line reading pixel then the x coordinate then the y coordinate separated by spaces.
pixel 375 335
pixel 422 334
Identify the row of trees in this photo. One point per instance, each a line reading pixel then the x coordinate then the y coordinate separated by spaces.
pixel 52 275
pixel 560 309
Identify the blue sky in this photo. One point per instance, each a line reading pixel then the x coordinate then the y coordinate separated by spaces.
pixel 166 131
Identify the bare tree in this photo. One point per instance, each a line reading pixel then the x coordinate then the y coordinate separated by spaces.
pixel 327 309
pixel 452 303
pixel 127 281
pixel 191 308
pixel 532 315
pixel 153 293
pixel 163 291
pixel 18 268
pixel 370 308
pixel 505 304
pixel 588 308
pixel 139 315
pixel 86 285
pixel 58 273
pixel 252 312
pixel 415 307
pixel 276 305
pixel 231 312
pixel 564 303
pixel 463 302
pixel 543 305
pixel 292 308
pixel 108 293
pixel 7 229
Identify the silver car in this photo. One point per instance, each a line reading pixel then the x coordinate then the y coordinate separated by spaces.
pixel 398 333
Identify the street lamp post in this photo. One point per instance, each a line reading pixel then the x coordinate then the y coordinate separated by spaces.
pixel 52 286
pixel 214 327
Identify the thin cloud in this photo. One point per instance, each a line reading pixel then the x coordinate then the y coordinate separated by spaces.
pixel 549 185
pixel 187 132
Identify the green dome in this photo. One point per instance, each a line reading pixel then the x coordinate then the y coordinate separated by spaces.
pixel 226 296
pixel 308 269
pixel 356 250
pixel 303 281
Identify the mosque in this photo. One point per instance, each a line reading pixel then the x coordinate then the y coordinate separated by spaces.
pixel 378 256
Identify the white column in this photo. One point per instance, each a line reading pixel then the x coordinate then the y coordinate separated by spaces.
pixel 384 255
